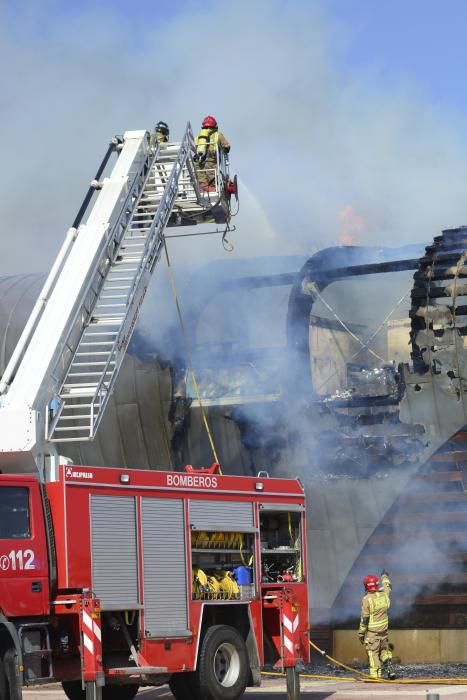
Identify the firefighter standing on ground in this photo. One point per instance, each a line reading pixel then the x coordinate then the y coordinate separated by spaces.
pixel 207 141
pixel 374 623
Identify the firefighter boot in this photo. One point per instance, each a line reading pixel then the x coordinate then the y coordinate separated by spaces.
pixel 388 669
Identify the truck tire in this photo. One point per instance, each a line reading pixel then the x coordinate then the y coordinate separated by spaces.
pixel 74 691
pixel 119 692
pixel 183 686
pixel 223 666
pixel 293 684
pixel 4 692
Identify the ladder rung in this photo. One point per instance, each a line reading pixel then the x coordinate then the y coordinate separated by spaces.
pixel 104 295
pixel 71 428
pixel 92 333
pixel 87 374
pixel 94 353
pixel 106 289
pixel 81 389
pixel 109 319
pixel 109 306
pixel 97 343
pixel 90 362
pixel 71 406
pixel 67 439
pixel 129 259
pixel 80 416
pixel 118 279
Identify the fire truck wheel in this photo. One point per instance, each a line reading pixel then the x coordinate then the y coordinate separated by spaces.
pixel 184 686
pixel 223 665
pixel 119 692
pixel 4 694
pixel 74 691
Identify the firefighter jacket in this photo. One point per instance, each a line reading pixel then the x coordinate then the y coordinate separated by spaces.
pixel 161 138
pixel 207 141
pixel 375 606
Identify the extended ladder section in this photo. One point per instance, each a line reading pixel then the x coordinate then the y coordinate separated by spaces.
pixel 77 344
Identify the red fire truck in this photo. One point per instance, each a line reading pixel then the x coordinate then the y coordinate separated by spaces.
pixel 116 578
pixel 110 578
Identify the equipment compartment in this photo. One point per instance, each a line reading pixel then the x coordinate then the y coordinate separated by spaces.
pixel 222 565
pixel 281 544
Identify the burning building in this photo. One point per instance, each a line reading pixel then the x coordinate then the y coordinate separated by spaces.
pixel 347 370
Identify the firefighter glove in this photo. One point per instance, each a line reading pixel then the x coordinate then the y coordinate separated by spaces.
pixel 361 637
pixel 201 158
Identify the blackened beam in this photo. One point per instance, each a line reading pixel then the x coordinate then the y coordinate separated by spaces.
pixel 252 281
pixel 335 273
pixel 368 269
pixel 288 278
pixel 358 401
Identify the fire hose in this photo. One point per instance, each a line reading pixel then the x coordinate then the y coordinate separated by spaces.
pixel 364 677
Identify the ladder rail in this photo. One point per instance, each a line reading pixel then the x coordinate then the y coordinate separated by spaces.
pixel 116 234
pixel 152 251
pixel 150 213
pixel 52 277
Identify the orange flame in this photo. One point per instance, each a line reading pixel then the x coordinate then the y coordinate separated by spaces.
pixel 352 226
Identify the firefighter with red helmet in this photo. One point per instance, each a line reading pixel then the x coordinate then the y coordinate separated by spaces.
pixel 374 623
pixel 207 143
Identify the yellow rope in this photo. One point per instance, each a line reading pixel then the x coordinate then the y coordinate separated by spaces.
pixel 188 356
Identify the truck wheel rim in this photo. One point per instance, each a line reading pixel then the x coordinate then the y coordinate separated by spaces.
pixel 226 664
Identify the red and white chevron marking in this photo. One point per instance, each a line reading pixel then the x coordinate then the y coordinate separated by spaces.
pixel 290 629
pixel 91 632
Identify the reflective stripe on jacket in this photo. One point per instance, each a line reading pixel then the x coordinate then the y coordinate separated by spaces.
pixel 375 606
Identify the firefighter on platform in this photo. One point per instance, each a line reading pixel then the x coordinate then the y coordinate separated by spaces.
pixel 162 132
pixel 374 623
pixel 207 141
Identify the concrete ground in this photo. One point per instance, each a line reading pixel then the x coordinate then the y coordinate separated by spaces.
pixel 311 690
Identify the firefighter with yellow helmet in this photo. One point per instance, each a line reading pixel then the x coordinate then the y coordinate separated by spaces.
pixel 374 623
pixel 207 142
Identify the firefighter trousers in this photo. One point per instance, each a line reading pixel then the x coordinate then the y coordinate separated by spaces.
pixel 207 172
pixel 377 648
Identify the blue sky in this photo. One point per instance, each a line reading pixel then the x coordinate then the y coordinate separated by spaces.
pixel 398 40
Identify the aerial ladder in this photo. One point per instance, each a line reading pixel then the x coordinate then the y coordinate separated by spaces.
pixel 59 379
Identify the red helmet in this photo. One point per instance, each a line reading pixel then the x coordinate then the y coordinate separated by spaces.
pixel 371 582
pixel 209 122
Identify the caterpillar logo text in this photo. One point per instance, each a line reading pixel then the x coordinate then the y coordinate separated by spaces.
pixel 192 480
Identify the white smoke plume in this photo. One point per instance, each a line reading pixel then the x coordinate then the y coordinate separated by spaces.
pixel 310 139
